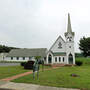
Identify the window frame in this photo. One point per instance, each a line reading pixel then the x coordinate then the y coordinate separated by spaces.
pixel 17 58
pixel 23 58
pixel 11 58
pixel 59 59
pixel 55 59
pixel 63 59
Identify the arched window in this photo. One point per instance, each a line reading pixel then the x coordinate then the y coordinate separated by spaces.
pixel 63 59
pixel 59 59
pixel 55 59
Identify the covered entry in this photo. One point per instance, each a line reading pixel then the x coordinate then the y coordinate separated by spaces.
pixel 70 58
pixel 49 58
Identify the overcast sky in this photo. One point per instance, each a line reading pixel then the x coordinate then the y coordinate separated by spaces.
pixel 38 23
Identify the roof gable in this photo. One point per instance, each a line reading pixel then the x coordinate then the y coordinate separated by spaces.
pixel 55 46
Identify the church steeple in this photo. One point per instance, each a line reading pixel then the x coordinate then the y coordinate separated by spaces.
pixel 69 28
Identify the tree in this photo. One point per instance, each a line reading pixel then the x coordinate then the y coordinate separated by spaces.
pixel 5 49
pixel 38 57
pixel 84 46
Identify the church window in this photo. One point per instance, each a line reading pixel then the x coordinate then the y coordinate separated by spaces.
pixel 69 38
pixel 30 58
pixel 11 58
pixel 59 45
pixel 17 58
pixel 23 58
pixel 59 59
pixel 55 59
pixel 63 59
pixel 69 46
pixel 49 58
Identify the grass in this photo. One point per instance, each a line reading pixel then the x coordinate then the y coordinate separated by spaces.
pixel 61 77
pixel 8 71
pixel 86 61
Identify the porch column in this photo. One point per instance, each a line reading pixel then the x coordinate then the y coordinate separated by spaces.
pixel 52 60
pixel 47 60
pixel 67 61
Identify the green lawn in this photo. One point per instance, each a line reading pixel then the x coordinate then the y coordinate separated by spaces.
pixel 61 77
pixel 8 71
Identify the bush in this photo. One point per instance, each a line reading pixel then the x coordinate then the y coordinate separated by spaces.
pixel 79 63
pixel 29 65
pixel 23 63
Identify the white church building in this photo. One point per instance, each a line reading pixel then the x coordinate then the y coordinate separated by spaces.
pixel 62 51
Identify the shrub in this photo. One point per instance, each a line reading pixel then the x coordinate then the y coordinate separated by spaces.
pixel 23 63
pixel 29 65
pixel 79 63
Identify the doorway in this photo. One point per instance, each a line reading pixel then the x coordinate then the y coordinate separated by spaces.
pixel 70 58
pixel 49 58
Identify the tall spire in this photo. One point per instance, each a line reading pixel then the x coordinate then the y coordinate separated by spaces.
pixel 69 29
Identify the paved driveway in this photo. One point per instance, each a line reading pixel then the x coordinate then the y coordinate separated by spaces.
pixel 9 64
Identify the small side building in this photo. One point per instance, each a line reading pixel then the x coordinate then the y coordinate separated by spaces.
pixel 3 56
pixel 26 54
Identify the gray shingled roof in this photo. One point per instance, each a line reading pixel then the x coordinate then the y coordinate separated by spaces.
pixel 28 52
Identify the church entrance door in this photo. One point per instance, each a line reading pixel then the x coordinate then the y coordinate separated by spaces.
pixel 49 58
pixel 70 59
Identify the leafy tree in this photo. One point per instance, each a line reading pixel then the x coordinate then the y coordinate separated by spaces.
pixel 38 57
pixel 84 46
pixel 5 49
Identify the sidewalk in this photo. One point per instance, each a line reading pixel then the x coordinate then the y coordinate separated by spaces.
pixel 22 86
